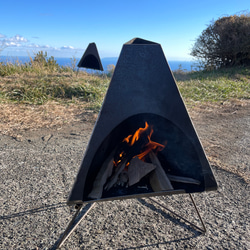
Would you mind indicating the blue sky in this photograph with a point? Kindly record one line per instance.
(65, 28)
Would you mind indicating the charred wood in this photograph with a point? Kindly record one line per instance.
(102, 176)
(159, 180)
(122, 179)
(137, 169)
(114, 177)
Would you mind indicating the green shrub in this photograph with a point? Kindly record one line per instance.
(225, 42)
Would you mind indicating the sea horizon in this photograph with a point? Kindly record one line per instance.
(68, 62)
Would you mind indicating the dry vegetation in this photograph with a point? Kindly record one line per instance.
(16, 118)
(42, 94)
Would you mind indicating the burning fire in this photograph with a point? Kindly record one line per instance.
(132, 160)
(150, 145)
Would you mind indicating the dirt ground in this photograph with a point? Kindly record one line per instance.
(39, 159)
(224, 131)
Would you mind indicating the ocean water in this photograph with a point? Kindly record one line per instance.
(174, 65)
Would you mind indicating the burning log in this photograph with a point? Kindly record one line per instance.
(137, 169)
(159, 180)
(102, 176)
(115, 176)
(123, 179)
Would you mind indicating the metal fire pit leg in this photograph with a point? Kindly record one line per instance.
(73, 224)
(203, 229)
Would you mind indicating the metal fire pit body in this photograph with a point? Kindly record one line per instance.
(90, 58)
(143, 89)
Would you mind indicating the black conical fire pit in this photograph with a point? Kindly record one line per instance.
(142, 90)
(143, 142)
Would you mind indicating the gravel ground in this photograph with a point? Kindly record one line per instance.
(38, 171)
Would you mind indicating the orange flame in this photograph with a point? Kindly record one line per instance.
(151, 145)
(131, 139)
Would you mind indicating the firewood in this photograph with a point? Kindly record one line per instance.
(183, 179)
(158, 179)
(102, 176)
(122, 179)
(114, 177)
(137, 169)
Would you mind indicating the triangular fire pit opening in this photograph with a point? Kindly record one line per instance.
(140, 156)
(142, 99)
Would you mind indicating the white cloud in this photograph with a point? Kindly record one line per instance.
(67, 47)
(20, 39)
(16, 39)
(41, 47)
(19, 43)
(11, 44)
(32, 45)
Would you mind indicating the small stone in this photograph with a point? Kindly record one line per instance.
(19, 138)
(47, 137)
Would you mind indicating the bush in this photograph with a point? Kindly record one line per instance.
(42, 60)
(225, 42)
(40, 64)
(111, 69)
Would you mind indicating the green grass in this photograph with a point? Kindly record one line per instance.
(61, 88)
(215, 86)
(39, 82)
